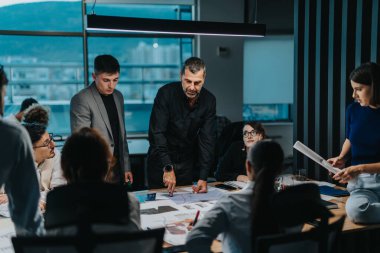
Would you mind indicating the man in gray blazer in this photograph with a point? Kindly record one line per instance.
(101, 106)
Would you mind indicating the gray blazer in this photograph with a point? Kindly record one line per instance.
(87, 110)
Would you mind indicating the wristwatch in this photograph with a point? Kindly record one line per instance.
(168, 168)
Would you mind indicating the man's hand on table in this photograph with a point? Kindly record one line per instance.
(169, 180)
(201, 187)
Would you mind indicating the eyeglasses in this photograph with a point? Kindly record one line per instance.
(252, 133)
(46, 142)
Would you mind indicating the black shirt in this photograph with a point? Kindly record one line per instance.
(177, 132)
(113, 117)
(232, 164)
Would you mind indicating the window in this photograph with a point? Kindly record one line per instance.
(268, 78)
(42, 51)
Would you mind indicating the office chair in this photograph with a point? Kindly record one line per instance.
(322, 239)
(89, 203)
(149, 241)
(299, 204)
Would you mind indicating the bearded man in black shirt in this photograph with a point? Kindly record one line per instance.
(182, 131)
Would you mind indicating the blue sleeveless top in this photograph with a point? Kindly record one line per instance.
(363, 131)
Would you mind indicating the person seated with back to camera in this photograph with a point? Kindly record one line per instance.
(232, 214)
(88, 198)
(46, 157)
(231, 166)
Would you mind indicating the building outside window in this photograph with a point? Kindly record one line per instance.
(42, 49)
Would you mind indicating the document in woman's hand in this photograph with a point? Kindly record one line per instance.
(315, 157)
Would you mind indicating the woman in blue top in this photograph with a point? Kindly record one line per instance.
(363, 140)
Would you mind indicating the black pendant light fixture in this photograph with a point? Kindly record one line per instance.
(164, 26)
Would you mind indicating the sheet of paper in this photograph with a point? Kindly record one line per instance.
(189, 197)
(327, 198)
(176, 226)
(315, 157)
(6, 233)
(236, 184)
(4, 211)
(203, 206)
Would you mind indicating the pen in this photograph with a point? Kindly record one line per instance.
(196, 218)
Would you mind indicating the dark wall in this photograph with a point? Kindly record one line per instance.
(277, 15)
(332, 37)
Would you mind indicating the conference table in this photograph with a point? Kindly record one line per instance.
(7, 230)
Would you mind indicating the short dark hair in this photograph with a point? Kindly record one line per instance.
(3, 77)
(194, 64)
(3, 82)
(35, 121)
(106, 64)
(26, 103)
(86, 157)
(368, 74)
(257, 126)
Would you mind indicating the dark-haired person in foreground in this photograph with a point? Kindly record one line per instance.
(101, 106)
(18, 173)
(232, 214)
(182, 131)
(89, 198)
(24, 105)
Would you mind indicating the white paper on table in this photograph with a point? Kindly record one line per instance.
(4, 210)
(175, 222)
(189, 197)
(176, 226)
(203, 206)
(5, 239)
(289, 180)
(315, 157)
(327, 198)
(236, 184)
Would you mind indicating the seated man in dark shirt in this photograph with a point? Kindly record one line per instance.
(182, 131)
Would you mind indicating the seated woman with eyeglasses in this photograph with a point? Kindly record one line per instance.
(231, 166)
(88, 203)
(46, 157)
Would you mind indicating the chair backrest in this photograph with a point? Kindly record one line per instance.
(86, 203)
(322, 239)
(230, 133)
(149, 241)
(299, 204)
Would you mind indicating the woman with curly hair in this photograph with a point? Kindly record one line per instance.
(46, 157)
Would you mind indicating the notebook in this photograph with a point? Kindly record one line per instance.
(331, 191)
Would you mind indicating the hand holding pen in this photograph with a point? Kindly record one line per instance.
(196, 218)
(192, 224)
